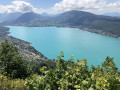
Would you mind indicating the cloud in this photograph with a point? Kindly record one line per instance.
(94, 6)
(19, 6)
(85, 5)
(112, 7)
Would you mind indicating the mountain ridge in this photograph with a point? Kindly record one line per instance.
(78, 19)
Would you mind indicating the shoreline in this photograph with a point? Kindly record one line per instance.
(96, 31)
(100, 32)
(25, 49)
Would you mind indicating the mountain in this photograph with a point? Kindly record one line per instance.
(45, 14)
(74, 18)
(114, 14)
(3, 16)
(84, 20)
(81, 18)
(9, 16)
(27, 17)
(98, 23)
(49, 15)
(13, 16)
(31, 19)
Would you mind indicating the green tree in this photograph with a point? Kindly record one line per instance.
(11, 62)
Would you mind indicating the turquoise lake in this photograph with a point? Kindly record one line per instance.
(81, 44)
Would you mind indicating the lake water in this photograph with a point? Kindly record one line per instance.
(51, 40)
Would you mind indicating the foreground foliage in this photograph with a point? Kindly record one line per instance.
(72, 76)
(35, 65)
(11, 84)
(63, 75)
(11, 63)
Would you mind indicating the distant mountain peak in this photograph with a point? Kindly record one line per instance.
(76, 11)
(27, 17)
(10, 16)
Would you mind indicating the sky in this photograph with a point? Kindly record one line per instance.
(59, 6)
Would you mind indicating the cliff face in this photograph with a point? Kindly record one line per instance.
(25, 49)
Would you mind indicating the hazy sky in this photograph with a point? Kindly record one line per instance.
(58, 6)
